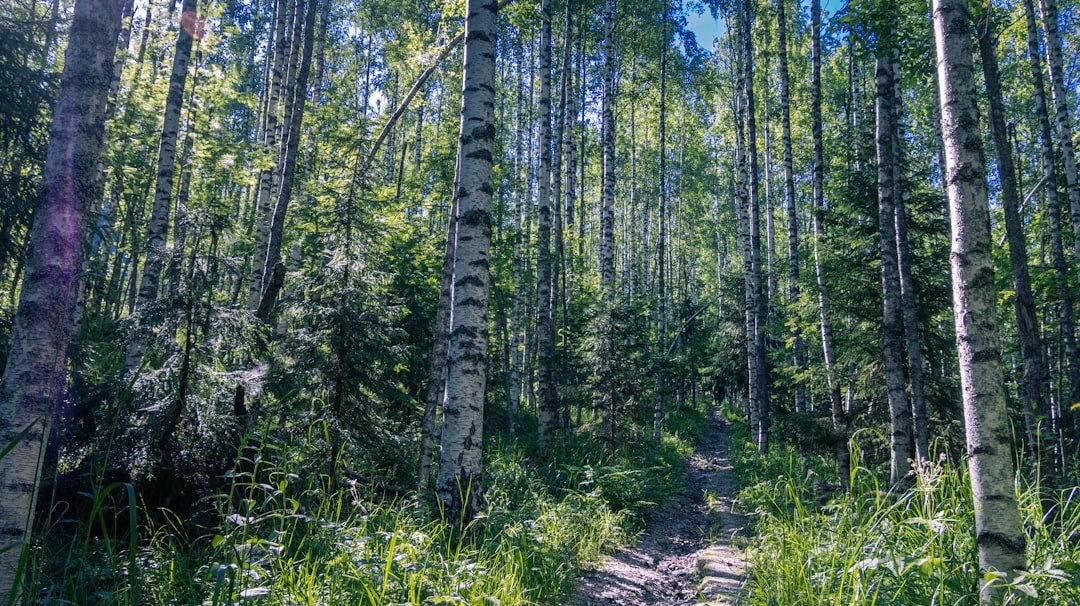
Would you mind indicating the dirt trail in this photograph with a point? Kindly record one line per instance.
(686, 554)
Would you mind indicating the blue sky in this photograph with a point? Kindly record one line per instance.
(706, 29)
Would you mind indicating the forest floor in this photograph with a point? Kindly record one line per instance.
(688, 552)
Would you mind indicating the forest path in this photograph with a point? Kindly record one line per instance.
(692, 535)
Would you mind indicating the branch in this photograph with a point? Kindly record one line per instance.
(404, 105)
(1027, 198)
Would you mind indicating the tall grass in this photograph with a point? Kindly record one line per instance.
(868, 547)
(277, 537)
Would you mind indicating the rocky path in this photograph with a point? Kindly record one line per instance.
(686, 555)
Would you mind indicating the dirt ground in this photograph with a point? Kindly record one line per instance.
(686, 554)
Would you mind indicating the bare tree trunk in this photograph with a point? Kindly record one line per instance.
(299, 93)
(35, 375)
(839, 423)
(908, 304)
(1059, 95)
(891, 323)
(1027, 322)
(756, 364)
(798, 357)
(268, 175)
(437, 363)
(607, 209)
(569, 111)
(166, 161)
(461, 458)
(661, 235)
(998, 530)
(545, 326)
(1053, 207)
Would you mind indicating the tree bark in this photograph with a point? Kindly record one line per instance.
(789, 202)
(35, 375)
(908, 304)
(1027, 322)
(437, 363)
(607, 210)
(461, 457)
(296, 119)
(999, 533)
(661, 236)
(267, 181)
(1060, 98)
(839, 423)
(166, 162)
(545, 326)
(1059, 95)
(891, 323)
(757, 370)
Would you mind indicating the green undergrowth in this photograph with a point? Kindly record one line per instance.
(815, 544)
(281, 538)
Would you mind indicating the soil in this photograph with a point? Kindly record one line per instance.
(688, 552)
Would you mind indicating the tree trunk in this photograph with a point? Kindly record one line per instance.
(607, 210)
(268, 175)
(1059, 95)
(1027, 322)
(461, 458)
(35, 375)
(545, 326)
(437, 363)
(839, 424)
(166, 161)
(789, 202)
(296, 120)
(999, 533)
(908, 304)
(891, 323)
(756, 364)
(661, 237)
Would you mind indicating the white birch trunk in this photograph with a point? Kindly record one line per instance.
(166, 163)
(35, 377)
(999, 532)
(461, 458)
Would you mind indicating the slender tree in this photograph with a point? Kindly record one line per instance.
(818, 217)
(891, 324)
(1055, 65)
(999, 533)
(757, 371)
(545, 322)
(607, 208)
(166, 164)
(789, 198)
(661, 233)
(1027, 322)
(461, 456)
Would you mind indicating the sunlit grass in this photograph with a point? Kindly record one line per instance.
(280, 538)
(868, 547)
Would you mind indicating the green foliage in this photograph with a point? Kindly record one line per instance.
(281, 534)
(815, 545)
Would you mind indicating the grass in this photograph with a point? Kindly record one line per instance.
(867, 547)
(279, 538)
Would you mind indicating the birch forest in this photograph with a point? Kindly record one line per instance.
(539, 302)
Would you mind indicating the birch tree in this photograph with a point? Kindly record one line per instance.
(461, 456)
(998, 531)
(35, 376)
(166, 164)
